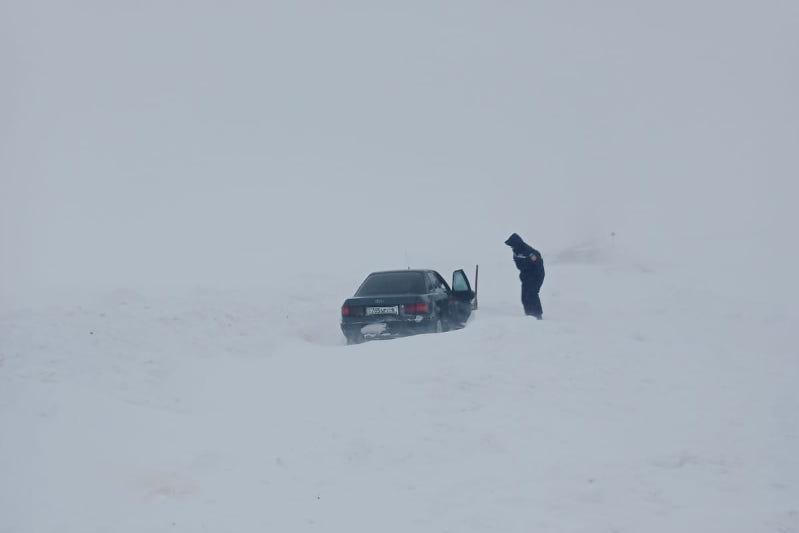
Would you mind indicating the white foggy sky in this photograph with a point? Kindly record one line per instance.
(164, 142)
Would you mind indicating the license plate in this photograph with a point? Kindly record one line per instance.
(382, 310)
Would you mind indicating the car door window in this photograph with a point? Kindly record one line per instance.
(440, 283)
(459, 282)
(433, 282)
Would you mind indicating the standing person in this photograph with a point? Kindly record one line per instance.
(531, 271)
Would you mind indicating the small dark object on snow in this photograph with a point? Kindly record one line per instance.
(531, 272)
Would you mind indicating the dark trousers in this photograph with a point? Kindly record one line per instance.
(530, 299)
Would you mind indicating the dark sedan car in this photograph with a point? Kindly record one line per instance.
(405, 302)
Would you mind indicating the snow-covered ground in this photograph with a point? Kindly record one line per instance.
(189, 191)
(644, 402)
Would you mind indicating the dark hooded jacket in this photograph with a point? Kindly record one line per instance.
(528, 260)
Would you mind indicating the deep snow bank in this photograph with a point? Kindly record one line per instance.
(640, 404)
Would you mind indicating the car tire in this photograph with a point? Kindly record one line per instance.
(354, 339)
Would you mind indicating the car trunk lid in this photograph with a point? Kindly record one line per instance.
(378, 306)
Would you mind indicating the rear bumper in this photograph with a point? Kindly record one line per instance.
(385, 327)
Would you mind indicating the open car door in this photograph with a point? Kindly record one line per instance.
(462, 296)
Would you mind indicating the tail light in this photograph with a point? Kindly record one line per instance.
(417, 309)
(354, 310)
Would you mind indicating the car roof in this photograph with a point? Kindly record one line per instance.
(417, 270)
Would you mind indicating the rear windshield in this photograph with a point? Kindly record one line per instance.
(392, 283)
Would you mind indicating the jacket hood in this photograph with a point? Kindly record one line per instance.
(514, 241)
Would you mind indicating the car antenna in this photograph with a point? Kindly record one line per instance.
(476, 281)
(406, 260)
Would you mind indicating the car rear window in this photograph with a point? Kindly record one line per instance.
(392, 283)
